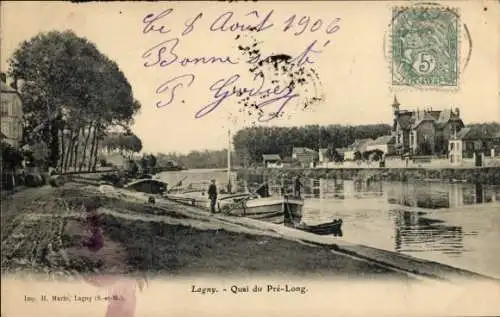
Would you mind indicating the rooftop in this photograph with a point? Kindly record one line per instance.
(6, 88)
(475, 133)
(382, 140)
(408, 119)
(303, 150)
(271, 157)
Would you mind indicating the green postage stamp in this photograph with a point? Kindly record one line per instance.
(425, 47)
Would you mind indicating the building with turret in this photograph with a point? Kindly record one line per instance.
(424, 131)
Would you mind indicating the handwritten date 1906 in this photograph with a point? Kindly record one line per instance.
(306, 23)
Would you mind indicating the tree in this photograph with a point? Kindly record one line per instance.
(10, 160)
(127, 143)
(251, 143)
(130, 143)
(71, 93)
(11, 157)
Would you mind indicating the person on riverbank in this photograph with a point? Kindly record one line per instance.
(212, 194)
(298, 186)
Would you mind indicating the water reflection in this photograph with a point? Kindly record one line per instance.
(417, 233)
(438, 195)
(374, 215)
(422, 195)
(432, 225)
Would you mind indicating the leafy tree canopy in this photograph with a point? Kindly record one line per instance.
(68, 86)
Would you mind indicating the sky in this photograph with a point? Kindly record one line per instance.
(353, 62)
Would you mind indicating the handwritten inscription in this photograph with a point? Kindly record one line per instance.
(276, 78)
(223, 23)
(305, 23)
(164, 54)
(165, 89)
(225, 88)
(153, 22)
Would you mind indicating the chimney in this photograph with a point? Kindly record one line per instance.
(457, 112)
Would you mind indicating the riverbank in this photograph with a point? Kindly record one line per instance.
(44, 232)
(483, 175)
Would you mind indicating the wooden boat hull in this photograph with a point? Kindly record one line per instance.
(269, 209)
(334, 228)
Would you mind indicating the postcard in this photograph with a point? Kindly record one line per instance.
(236, 158)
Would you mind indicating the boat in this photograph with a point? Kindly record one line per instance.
(149, 186)
(257, 205)
(271, 209)
(334, 228)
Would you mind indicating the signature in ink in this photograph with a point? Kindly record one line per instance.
(164, 54)
(178, 81)
(226, 88)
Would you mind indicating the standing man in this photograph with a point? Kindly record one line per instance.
(212, 194)
(298, 186)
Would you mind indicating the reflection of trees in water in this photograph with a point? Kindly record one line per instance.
(433, 195)
(338, 190)
(420, 194)
(401, 194)
(413, 232)
(359, 189)
(367, 188)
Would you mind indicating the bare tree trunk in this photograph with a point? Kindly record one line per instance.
(96, 155)
(75, 155)
(87, 137)
(68, 152)
(94, 139)
(63, 150)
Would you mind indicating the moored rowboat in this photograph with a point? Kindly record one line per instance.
(334, 227)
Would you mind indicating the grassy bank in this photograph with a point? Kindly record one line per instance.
(180, 250)
(47, 216)
(484, 175)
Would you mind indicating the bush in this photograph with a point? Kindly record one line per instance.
(103, 162)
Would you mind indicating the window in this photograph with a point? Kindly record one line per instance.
(5, 108)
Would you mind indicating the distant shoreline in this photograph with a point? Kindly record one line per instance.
(483, 175)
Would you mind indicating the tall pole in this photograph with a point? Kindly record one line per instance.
(229, 161)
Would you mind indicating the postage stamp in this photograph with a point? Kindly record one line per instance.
(425, 47)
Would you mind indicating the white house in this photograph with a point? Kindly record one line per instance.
(305, 156)
(272, 160)
(359, 146)
(384, 144)
(323, 156)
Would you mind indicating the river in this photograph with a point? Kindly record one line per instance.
(452, 223)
